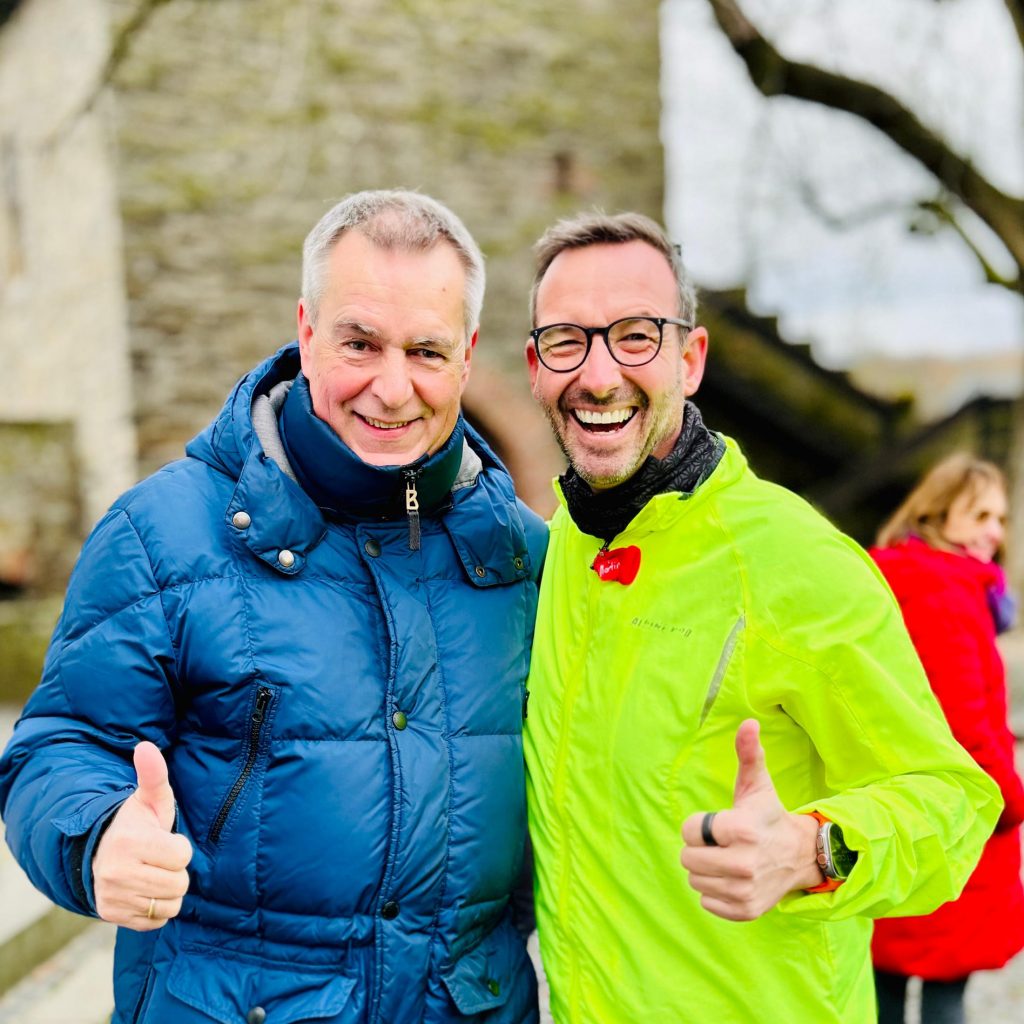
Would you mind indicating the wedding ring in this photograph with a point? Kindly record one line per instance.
(151, 913)
(705, 829)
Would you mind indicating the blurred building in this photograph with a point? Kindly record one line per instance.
(853, 443)
(162, 160)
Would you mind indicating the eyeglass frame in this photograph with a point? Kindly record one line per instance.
(589, 333)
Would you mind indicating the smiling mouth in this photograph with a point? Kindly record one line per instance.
(605, 421)
(383, 425)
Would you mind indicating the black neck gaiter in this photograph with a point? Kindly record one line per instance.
(605, 514)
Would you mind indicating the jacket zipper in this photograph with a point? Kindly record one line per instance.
(259, 715)
(412, 508)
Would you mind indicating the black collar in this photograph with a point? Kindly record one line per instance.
(605, 514)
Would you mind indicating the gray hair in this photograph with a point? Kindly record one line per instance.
(597, 228)
(393, 219)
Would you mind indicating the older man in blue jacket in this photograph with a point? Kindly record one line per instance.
(278, 735)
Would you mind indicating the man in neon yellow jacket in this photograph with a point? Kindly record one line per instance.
(710, 653)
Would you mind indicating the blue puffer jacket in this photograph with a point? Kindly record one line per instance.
(342, 727)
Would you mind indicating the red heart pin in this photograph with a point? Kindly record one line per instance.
(619, 565)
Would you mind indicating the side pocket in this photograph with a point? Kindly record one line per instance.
(144, 997)
(254, 742)
(495, 979)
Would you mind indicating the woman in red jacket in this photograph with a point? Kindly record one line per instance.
(937, 553)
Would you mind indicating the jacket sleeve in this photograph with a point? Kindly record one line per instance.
(884, 765)
(106, 685)
(950, 642)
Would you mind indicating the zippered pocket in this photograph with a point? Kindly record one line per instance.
(144, 996)
(253, 741)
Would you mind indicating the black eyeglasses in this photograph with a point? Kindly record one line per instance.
(632, 341)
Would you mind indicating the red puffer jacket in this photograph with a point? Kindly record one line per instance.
(943, 597)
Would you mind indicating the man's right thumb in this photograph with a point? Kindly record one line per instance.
(153, 788)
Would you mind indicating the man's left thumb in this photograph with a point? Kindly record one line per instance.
(752, 775)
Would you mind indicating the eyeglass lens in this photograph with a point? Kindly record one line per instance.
(631, 342)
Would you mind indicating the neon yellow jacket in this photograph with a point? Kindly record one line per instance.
(747, 604)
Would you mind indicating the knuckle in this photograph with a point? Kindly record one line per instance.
(745, 873)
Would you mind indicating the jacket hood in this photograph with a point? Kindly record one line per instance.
(226, 442)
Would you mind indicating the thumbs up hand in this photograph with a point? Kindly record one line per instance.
(139, 868)
(758, 851)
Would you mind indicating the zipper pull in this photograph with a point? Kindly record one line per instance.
(263, 696)
(412, 509)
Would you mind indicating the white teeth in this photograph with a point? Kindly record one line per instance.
(608, 416)
(381, 425)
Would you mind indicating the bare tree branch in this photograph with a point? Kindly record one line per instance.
(1016, 9)
(940, 208)
(7, 8)
(774, 75)
(811, 199)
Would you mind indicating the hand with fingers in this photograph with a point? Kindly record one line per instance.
(743, 860)
(139, 868)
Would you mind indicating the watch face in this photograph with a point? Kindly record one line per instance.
(843, 858)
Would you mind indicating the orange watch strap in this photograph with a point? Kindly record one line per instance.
(830, 884)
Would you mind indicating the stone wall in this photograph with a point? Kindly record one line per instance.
(241, 121)
(63, 331)
(161, 162)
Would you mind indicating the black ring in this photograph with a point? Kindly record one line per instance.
(705, 829)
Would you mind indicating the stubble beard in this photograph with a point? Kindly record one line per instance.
(666, 423)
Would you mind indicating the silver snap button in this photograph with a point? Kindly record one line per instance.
(480, 571)
(286, 558)
(241, 520)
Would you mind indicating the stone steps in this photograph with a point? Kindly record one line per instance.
(55, 967)
(32, 929)
(74, 986)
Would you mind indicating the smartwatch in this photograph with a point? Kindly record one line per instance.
(834, 857)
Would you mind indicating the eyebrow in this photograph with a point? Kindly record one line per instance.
(446, 344)
(341, 326)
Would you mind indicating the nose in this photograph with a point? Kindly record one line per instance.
(392, 383)
(600, 374)
(997, 532)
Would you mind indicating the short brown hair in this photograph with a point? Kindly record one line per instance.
(597, 228)
(924, 510)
